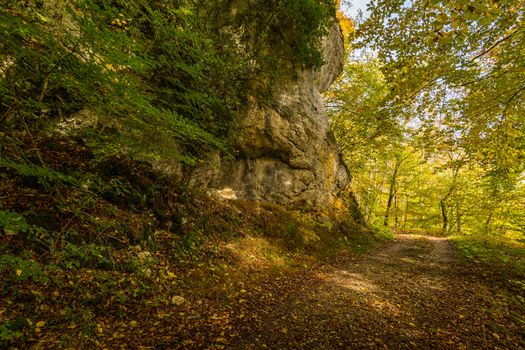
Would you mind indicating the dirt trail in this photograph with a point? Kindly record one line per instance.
(412, 294)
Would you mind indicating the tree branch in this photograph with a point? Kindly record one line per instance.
(492, 47)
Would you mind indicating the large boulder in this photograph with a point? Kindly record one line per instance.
(287, 153)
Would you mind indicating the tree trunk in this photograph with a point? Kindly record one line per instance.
(368, 203)
(443, 202)
(405, 217)
(392, 190)
(396, 218)
(444, 214)
(458, 214)
(486, 229)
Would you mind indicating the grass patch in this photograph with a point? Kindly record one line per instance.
(508, 253)
(502, 260)
(382, 232)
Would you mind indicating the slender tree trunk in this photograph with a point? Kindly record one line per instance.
(405, 217)
(487, 226)
(443, 202)
(389, 204)
(458, 214)
(396, 214)
(370, 202)
(444, 214)
(392, 190)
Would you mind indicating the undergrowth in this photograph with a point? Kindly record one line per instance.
(501, 258)
(504, 254)
(89, 241)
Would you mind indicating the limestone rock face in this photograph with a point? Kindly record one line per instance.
(286, 151)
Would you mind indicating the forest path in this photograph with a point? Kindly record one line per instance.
(411, 294)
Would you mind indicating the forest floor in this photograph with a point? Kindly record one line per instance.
(413, 293)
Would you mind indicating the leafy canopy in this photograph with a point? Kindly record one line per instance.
(462, 64)
(445, 90)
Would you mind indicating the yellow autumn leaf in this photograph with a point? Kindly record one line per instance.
(40, 324)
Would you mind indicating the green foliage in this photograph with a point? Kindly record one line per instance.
(189, 246)
(292, 28)
(12, 223)
(291, 231)
(494, 252)
(17, 269)
(435, 192)
(445, 89)
(458, 66)
(278, 38)
(382, 232)
(360, 118)
(9, 332)
(131, 64)
(42, 176)
(92, 255)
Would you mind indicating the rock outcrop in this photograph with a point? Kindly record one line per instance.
(286, 151)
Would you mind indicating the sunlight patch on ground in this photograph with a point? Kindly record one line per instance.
(256, 252)
(433, 284)
(409, 260)
(369, 292)
(437, 239)
(352, 281)
(386, 307)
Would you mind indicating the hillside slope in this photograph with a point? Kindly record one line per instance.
(121, 122)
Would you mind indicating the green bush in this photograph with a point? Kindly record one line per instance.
(12, 223)
(17, 269)
(287, 33)
(9, 333)
(382, 232)
(148, 69)
(39, 175)
(74, 256)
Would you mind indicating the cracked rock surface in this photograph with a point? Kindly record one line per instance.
(287, 153)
